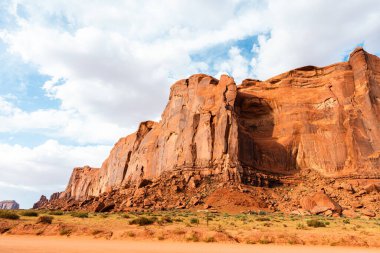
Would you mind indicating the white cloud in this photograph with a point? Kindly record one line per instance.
(45, 168)
(315, 33)
(119, 63)
(59, 124)
(236, 65)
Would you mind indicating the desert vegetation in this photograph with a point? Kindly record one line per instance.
(181, 225)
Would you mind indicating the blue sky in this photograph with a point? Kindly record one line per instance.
(74, 79)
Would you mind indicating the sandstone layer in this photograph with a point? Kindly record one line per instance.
(255, 139)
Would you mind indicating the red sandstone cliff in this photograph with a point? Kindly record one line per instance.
(308, 120)
(325, 119)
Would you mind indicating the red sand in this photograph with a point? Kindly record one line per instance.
(33, 244)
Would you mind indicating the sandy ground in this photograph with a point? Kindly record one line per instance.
(33, 244)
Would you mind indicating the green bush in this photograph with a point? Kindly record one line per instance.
(57, 212)
(194, 221)
(80, 215)
(315, 223)
(45, 219)
(262, 213)
(9, 215)
(142, 221)
(346, 221)
(29, 213)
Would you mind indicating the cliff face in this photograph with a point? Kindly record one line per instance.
(262, 133)
(9, 205)
(198, 131)
(325, 119)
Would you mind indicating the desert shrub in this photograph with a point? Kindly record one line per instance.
(29, 213)
(57, 212)
(45, 219)
(267, 224)
(262, 219)
(65, 231)
(142, 221)
(80, 215)
(179, 231)
(131, 234)
(166, 219)
(300, 226)
(9, 215)
(210, 239)
(315, 223)
(262, 213)
(194, 221)
(125, 216)
(242, 217)
(194, 237)
(265, 241)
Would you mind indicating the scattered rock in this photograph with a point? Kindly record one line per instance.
(368, 213)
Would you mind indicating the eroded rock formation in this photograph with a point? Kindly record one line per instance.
(9, 205)
(308, 122)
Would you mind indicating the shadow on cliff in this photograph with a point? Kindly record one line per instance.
(258, 149)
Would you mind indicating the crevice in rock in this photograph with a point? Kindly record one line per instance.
(212, 128)
(196, 119)
(126, 164)
(142, 172)
(227, 134)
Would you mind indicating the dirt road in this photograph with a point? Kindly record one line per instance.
(34, 244)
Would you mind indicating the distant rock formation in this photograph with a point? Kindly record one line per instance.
(9, 205)
(40, 203)
(310, 122)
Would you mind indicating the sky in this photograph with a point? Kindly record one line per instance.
(75, 76)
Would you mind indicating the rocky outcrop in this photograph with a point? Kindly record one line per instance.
(198, 132)
(325, 119)
(41, 203)
(282, 131)
(9, 205)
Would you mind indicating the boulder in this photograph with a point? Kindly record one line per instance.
(319, 203)
(373, 187)
(368, 213)
(349, 213)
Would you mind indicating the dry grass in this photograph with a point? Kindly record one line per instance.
(259, 228)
